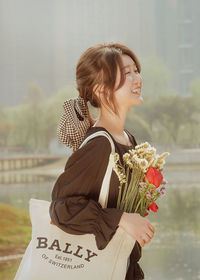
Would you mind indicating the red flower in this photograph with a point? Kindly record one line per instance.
(146, 213)
(154, 176)
(153, 207)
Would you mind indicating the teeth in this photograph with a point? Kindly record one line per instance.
(136, 90)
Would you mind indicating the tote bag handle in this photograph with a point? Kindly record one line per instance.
(104, 192)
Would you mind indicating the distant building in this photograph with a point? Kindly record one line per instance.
(173, 27)
(41, 41)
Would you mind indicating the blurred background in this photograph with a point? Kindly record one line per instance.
(40, 44)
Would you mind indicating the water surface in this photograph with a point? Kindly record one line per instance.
(174, 252)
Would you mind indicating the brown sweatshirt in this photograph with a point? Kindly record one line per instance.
(75, 207)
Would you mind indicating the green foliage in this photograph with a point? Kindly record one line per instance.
(32, 125)
(8, 270)
(167, 119)
(15, 234)
(139, 127)
(174, 112)
(5, 127)
(15, 228)
(195, 91)
(164, 118)
(156, 77)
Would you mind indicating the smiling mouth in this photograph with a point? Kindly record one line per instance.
(136, 91)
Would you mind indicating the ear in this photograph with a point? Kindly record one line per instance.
(98, 89)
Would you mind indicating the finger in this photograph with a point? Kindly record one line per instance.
(152, 228)
(141, 242)
(150, 233)
(146, 238)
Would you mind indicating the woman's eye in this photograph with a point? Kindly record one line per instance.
(130, 72)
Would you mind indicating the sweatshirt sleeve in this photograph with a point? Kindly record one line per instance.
(75, 207)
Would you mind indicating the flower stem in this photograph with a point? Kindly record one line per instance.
(136, 187)
(125, 189)
(119, 195)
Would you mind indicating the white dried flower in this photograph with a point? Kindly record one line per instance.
(144, 145)
(120, 174)
(126, 156)
(164, 155)
(132, 152)
(116, 157)
(144, 165)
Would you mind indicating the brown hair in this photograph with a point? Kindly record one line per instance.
(98, 65)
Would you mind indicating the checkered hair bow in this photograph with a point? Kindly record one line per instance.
(74, 123)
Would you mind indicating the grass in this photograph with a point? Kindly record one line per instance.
(15, 229)
(15, 234)
(8, 270)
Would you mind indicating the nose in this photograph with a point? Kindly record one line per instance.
(137, 80)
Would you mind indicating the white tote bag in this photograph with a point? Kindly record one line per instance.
(54, 254)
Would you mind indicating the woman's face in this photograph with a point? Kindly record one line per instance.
(125, 96)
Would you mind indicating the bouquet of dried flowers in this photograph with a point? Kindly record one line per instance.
(140, 179)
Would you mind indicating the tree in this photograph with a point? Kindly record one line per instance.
(175, 112)
(34, 112)
(195, 91)
(156, 78)
(138, 127)
(5, 127)
(54, 110)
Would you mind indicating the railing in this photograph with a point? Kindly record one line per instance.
(16, 163)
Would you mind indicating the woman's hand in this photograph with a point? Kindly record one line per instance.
(138, 227)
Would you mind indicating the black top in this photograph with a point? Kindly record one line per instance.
(75, 207)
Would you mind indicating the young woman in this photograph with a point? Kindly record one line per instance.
(108, 76)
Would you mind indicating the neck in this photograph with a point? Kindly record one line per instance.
(112, 122)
